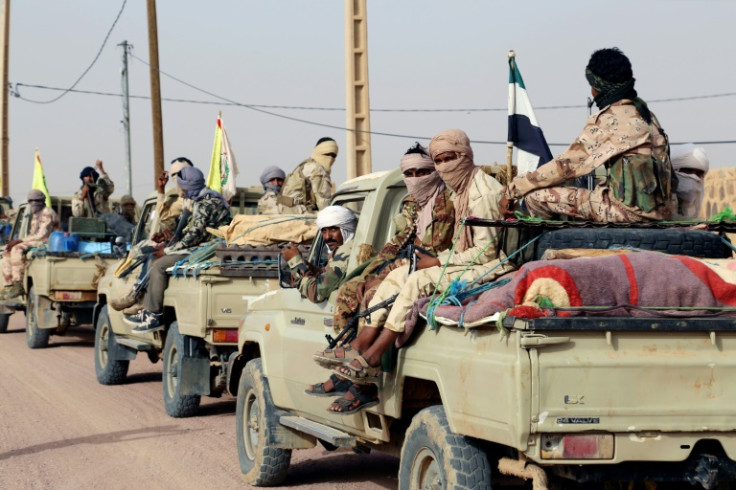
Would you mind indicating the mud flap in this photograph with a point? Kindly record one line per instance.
(48, 316)
(195, 368)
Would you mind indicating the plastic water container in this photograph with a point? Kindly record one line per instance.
(60, 241)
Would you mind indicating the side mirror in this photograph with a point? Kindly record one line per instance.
(285, 280)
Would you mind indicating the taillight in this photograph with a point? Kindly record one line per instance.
(577, 446)
(225, 335)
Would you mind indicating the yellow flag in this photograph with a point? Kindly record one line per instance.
(214, 181)
(39, 179)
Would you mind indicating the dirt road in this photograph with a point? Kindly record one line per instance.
(60, 429)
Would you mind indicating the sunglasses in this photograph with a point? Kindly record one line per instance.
(35, 200)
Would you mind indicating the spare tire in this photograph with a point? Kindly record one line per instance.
(693, 243)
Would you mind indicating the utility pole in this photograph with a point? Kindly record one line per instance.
(4, 58)
(126, 118)
(158, 134)
(358, 117)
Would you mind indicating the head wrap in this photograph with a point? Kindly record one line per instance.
(271, 173)
(89, 171)
(690, 187)
(338, 216)
(457, 174)
(36, 195)
(127, 199)
(610, 91)
(176, 167)
(191, 181)
(319, 154)
(423, 189)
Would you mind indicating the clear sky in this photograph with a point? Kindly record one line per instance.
(423, 54)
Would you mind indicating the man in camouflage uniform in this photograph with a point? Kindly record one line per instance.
(626, 138)
(43, 221)
(309, 187)
(92, 198)
(209, 210)
(272, 179)
(474, 254)
(168, 209)
(337, 226)
(427, 220)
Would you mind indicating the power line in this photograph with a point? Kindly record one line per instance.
(84, 73)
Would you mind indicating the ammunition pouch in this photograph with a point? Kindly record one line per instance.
(643, 181)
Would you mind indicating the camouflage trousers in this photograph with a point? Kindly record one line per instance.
(354, 295)
(422, 284)
(14, 262)
(595, 205)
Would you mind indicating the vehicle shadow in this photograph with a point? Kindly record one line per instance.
(345, 466)
(220, 407)
(104, 438)
(142, 378)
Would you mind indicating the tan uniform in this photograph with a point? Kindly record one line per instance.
(614, 131)
(484, 195)
(104, 187)
(268, 203)
(168, 210)
(42, 224)
(306, 190)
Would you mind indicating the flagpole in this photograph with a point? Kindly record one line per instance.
(510, 144)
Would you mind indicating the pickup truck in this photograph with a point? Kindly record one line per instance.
(60, 285)
(202, 309)
(564, 402)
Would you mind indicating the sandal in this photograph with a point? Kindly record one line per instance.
(359, 402)
(329, 359)
(364, 375)
(340, 387)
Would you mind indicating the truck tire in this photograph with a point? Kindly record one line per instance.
(108, 371)
(176, 404)
(37, 338)
(433, 457)
(4, 321)
(693, 243)
(255, 419)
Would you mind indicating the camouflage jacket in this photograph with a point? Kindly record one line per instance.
(268, 203)
(615, 130)
(103, 188)
(437, 237)
(307, 189)
(42, 224)
(317, 286)
(208, 212)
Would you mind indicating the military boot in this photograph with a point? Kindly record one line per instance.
(16, 291)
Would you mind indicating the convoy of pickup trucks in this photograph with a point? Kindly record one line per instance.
(554, 401)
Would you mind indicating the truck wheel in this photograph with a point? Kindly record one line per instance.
(109, 371)
(36, 338)
(432, 457)
(177, 405)
(693, 243)
(4, 320)
(255, 420)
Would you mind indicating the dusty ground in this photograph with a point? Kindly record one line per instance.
(60, 429)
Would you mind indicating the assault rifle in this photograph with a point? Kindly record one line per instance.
(351, 330)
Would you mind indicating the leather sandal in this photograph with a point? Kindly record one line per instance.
(364, 375)
(341, 386)
(329, 359)
(359, 402)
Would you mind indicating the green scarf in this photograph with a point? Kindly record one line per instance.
(610, 92)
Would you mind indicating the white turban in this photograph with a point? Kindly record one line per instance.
(689, 156)
(338, 216)
(690, 187)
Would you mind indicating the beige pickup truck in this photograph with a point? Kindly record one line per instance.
(203, 305)
(567, 403)
(60, 286)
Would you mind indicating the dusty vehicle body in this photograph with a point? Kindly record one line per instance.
(558, 400)
(202, 310)
(61, 286)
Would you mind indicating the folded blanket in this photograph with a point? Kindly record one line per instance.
(623, 282)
